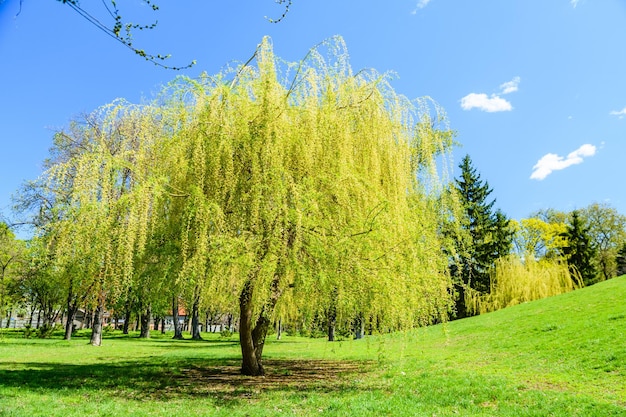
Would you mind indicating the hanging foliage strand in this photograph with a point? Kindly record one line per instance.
(284, 191)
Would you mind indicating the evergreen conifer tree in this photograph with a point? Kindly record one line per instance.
(484, 235)
(579, 252)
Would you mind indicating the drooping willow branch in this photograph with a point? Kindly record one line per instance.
(122, 32)
(287, 6)
(115, 31)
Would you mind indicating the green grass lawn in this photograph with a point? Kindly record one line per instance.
(562, 356)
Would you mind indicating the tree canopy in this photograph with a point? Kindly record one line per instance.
(12, 251)
(260, 189)
(607, 231)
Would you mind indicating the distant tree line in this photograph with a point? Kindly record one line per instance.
(493, 255)
(481, 244)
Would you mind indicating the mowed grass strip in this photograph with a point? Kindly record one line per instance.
(561, 356)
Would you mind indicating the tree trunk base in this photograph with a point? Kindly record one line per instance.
(252, 370)
(96, 330)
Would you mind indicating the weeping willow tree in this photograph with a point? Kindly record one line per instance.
(103, 179)
(303, 186)
(289, 190)
(515, 280)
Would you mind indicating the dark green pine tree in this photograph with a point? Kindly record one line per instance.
(579, 251)
(485, 235)
(502, 235)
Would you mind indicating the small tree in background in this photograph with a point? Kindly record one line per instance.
(11, 254)
(515, 280)
(607, 231)
(539, 239)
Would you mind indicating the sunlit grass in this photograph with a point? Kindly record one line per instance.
(560, 356)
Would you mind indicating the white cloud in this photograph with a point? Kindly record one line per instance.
(619, 113)
(553, 162)
(492, 103)
(482, 102)
(420, 5)
(510, 86)
(574, 3)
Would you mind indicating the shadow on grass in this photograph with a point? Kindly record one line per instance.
(174, 343)
(162, 380)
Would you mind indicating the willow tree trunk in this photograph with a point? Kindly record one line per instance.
(146, 315)
(126, 321)
(127, 312)
(359, 327)
(251, 364)
(72, 307)
(259, 333)
(331, 328)
(252, 339)
(178, 331)
(89, 321)
(195, 317)
(71, 315)
(32, 311)
(96, 328)
(332, 315)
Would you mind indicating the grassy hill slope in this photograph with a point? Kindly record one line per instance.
(569, 349)
(562, 356)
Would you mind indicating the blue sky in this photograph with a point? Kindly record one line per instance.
(534, 88)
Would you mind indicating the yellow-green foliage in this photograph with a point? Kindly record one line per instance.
(539, 238)
(12, 255)
(516, 281)
(104, 187)
(319, 189)
(305, 183)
